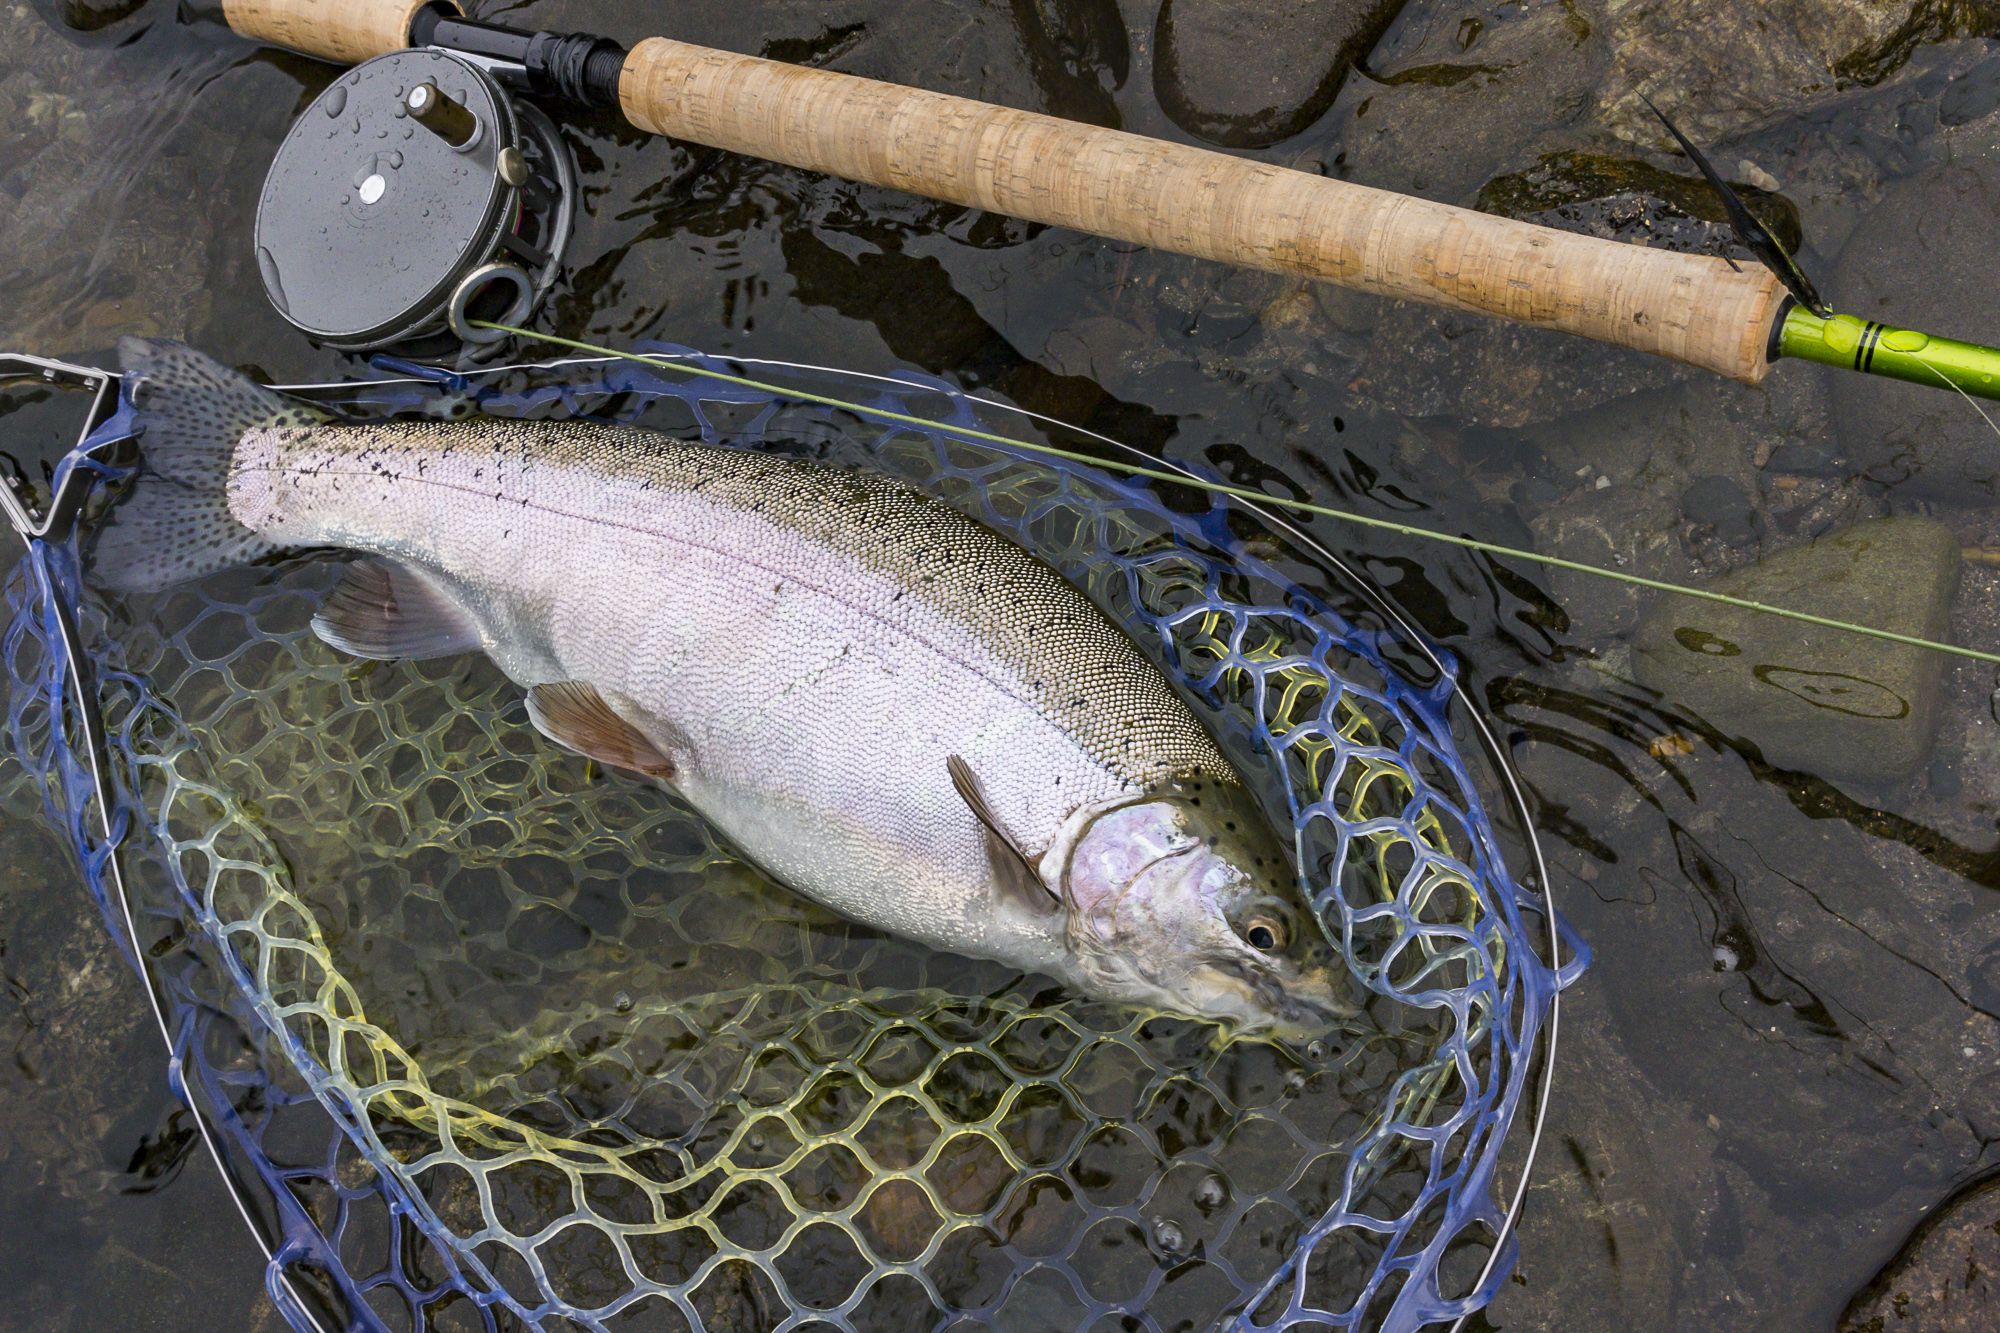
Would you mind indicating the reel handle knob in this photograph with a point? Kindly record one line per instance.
(437, 112)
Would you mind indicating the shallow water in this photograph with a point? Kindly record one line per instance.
(1784, 1054)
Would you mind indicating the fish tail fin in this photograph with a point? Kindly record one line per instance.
(175, 523)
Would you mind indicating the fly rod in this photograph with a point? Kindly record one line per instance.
(1698, 309)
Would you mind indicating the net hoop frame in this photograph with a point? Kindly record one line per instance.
(57, 591)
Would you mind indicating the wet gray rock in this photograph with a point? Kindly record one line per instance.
(1971, 97)
(1947, 1279)
(1720, 503)
(1067, 60)
(1451, 104)
(1623, 198)
(1627, 527)
(1610, 1211)
(1631, 467)
(1813, 458)
(1109, 351)
(1726, 70)
(1426, 362)
(70, 1013)
(1822, 701)
(87, 1125)
(1248, 73)
(1925, 258)
(1834, 158)
(89, 15)
(97, 250)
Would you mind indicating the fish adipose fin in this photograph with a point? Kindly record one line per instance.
(175, 524)
(573, 714)
(1012, 871)
(384, 610)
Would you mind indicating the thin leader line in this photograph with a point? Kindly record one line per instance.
(1261, 497)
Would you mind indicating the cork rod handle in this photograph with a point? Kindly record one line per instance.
(1193, 201)
(344, 31)
(1127, 187)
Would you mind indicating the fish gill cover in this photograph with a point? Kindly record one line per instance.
(489, 1037)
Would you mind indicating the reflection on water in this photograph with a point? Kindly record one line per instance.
(1785, 1053)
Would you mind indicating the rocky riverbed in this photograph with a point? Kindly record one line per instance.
(1782, 1063)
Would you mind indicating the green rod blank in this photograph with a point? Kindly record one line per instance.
(1874, 348)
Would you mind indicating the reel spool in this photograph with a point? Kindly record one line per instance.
(413, 195)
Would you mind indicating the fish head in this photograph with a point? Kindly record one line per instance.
(1184, 898)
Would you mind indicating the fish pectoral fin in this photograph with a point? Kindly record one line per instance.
(573, 714)
(1013, 872)
(384, 610)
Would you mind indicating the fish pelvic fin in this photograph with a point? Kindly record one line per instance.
(573, 714)
(175, 524)
(1013, 873)
(385, 610)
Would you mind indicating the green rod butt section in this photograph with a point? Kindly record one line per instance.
(1899, 354)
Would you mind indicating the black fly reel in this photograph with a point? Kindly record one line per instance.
(413, 196)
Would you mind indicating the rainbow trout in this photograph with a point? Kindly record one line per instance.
(891, 708)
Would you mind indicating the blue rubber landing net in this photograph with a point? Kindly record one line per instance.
(486, 1038)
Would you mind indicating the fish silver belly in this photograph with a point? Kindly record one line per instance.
(811, 644)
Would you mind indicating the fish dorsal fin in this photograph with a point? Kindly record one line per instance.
(572, 713)
(1012, 870)
(384, 610)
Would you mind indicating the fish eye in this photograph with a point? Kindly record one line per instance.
(1264, 933)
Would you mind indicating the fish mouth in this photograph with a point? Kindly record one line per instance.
(1287, 1008)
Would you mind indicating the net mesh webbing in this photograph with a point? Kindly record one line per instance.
(501, 1039)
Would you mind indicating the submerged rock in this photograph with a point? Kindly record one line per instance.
(1824, 701)
(1719, 503)
(90, 15)
(1623, 199)
(1622, 528)
(1451, 104)
(1726, 70)
(1079, 54)
(1654, 482)
(1925, 258)
(1427, 362)
(1947, 1278)
(1247, 73)
(1971, 97)
(1626, 525)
